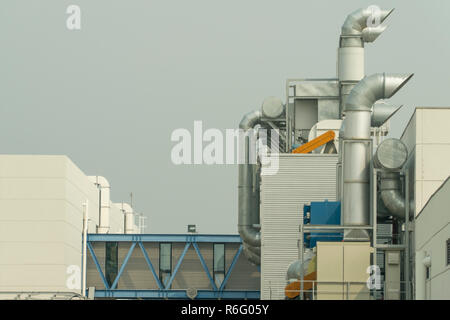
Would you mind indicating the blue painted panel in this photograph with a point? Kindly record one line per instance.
(322, 213)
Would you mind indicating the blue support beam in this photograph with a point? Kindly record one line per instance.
(97, 265)
(114, 285)
(180, 260)
(205, 267)
(176, 294)
(150, 265)
(164, 238)
(233, 263)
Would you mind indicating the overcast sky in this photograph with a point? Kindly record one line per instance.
(110, 95)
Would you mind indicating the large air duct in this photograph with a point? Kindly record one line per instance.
(356, 157)
(391, 156)
(248, 194)
(104, 202)
(128, 218)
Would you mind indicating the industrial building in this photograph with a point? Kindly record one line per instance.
(62, 236)
(347, 213)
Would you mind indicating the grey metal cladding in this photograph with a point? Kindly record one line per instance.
(317, 89)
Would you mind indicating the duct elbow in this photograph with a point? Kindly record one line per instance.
(250, 120)
(356, 23)
(250, 235)
(373, 88)
(391, 195)
(394, 202)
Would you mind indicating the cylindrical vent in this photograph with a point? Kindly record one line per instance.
(391, 155)
(272, 107)
(350, 64)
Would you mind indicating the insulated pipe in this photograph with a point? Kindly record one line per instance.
(357, 153)
(104, 202)
(248, 194)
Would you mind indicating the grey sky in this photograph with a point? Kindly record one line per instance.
(110, 95)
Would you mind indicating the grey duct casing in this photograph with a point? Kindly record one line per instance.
(356, 157)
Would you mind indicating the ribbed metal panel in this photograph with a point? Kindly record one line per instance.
(301, 178)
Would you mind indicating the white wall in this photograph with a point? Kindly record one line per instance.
(428, 141)
(41, 213)
(432, 233)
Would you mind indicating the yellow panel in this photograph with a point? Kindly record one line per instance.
(356, 262)
(330, 268)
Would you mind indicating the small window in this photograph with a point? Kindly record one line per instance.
(219, 263)
(448, 252)
(111, 261)
(165, 262)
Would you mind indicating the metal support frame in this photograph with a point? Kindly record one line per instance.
(164, 291)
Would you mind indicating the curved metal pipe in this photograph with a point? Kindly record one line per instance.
(373, 88)
(355, 31)
(248, 194)
(391, 195)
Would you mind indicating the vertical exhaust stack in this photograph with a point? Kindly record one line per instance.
(356, 159)
(354, 33)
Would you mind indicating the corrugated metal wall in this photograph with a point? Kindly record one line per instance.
(301, 178)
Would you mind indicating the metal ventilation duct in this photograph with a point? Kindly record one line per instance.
(104, 201)
(356, 158)
(391, 156)
(355, 30)
(354, 33)
(248, 194)
(382, 112)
